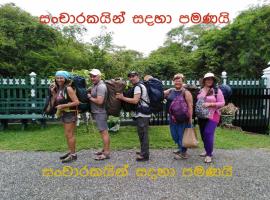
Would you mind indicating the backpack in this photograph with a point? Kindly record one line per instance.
(113, 105)
(78, 83)
(179, 109)
(155, 91)
(49, 108)
(202, 112)
(226, 91)
(128, 107)
(194, 90)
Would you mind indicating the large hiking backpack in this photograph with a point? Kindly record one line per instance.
(113, 105)
(179, 109)
(155, 92)
(194, 90)
(226, 91)
(79, 84)
(49, 108)
(154, 89)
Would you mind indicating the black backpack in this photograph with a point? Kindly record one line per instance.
(128, 107)
(78, 83)
(226, 91)
(194, 90)
(49, 108)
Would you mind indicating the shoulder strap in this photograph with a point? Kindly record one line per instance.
(216, 91)
(139, 84)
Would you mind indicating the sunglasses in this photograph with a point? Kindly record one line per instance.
(93, 76)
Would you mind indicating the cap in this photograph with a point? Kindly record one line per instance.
(95, 72)
(133, 73)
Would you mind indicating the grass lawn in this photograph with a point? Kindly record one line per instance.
(52, 138)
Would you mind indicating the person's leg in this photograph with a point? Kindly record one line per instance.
(70, 136)
(202, 123)
(106, 141)
(209, 133)
(145, 138)
(181, 129)
(142, 128)
(139, 131)
(102, 125)
(174, 132)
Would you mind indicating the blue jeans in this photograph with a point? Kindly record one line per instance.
(177, 132)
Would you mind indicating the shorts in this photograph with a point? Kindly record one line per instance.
(101, 121)
(69, 117)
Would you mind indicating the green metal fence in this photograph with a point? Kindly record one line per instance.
(24, 98)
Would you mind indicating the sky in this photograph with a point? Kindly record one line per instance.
(140, 37)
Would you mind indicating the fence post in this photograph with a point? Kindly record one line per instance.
(33, 88)
(224, 78)
(266, 74)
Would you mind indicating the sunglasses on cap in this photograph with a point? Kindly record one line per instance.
(132, 74)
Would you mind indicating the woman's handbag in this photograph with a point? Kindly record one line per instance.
(190, 139)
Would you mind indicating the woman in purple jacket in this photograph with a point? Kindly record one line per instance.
(213, 100)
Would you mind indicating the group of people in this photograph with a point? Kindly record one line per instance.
(67, 102)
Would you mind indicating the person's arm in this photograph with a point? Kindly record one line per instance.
(134, 100)
(189, 100)
(99, 100)
(167, 92)
(53, 93)
(74, 99)
(101, 93)
(220, 100)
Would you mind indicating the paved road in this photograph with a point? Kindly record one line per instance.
(21, 176)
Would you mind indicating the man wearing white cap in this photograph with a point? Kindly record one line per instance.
(97, 98)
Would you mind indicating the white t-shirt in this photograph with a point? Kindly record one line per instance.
(145, 97)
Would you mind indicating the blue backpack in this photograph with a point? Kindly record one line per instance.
(156, 96)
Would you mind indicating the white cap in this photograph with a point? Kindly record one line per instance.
(209, 75)
(95, 72)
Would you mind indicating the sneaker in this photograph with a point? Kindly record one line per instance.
(181, 156)
(176, 152)
(64, 156)
(203, 154)
(70, 158)
(208, 159)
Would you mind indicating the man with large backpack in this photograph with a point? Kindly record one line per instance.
(140, 98)
(97, 98)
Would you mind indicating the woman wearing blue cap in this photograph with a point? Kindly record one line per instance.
(66, 103)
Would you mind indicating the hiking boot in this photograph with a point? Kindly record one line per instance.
(70, 158)
(64, 156)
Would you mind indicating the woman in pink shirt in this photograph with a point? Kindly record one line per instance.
(213, 100)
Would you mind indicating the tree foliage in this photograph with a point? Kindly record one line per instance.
(241, 48)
